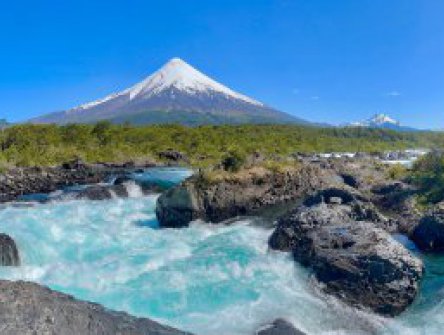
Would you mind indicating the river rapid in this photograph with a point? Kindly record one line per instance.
(207, 279)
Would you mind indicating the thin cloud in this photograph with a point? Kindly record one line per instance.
(393, 94)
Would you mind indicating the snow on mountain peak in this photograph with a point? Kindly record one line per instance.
(176, 74)
(382, 118)
(376, 120)
(180, 75)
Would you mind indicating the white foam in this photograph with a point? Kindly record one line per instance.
(206, 279)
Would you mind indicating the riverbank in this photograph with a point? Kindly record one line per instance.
(18, 182)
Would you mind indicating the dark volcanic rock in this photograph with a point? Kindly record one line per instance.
(397, 199)
(75, 164)
(240, 194)
(288, 231)
(9, 255)
(30, 309)
(123, 180)
(353, 260)
(98, 192)
(347, 196)
(279, 327)
(174, 156)
(362, 265)
(429, 234)
(20, 181)
(324, 207)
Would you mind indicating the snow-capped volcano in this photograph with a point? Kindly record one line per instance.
(381, 121)
(377, 120)
(176, 93)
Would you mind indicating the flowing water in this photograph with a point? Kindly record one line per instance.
(211, 280)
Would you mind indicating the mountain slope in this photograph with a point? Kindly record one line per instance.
(177, 93)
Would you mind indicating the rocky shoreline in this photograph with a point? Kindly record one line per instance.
(24, 181)
(242, 194)
(29, 309)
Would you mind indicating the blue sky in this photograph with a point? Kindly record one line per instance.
(327, 61)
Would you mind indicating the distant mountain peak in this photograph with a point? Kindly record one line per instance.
(377, 120)
(381, 120)
(177, 92)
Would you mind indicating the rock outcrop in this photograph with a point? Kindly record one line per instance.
(9, 254)
(242, 193)
(397, 199)
(279, 327)
(29, 309)
(330, 205)
(24, 181)
(351, 259)
(20, 181)
(98, 192)
(429, 233)
(173, 156)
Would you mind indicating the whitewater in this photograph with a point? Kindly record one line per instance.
(207, 279)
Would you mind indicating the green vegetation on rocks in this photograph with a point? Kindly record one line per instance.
(428, 176)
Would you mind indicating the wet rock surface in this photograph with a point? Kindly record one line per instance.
(173, 156)
(103, 192)
(29, 309)
(279, 327)
(429, 233)
(331, 205)
(35, 180)
(9, 254)
(243, 194)
(22, 181)
(352, 259)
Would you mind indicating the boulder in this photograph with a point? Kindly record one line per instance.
(429, 233)
(22, 181)
(9, 255)
(75, 164)
(98, 192)
(352, 260)
(397, 200)
(279, 327)
(28, 309)
(242, 193)
(347, 195)
(323, 207)
(173, 155)
(122, 180)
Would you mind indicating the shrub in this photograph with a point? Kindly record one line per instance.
(428, 176)
(397, 172)
(234, 161)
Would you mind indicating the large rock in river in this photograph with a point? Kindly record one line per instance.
(237, 194)
(9, 255)
(326, 206)
(29, 309)
(353, 260)
(429, 233)
(279, 327)
(100, 192)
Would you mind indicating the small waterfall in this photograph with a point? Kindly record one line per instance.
(9, 255)
(134, 190)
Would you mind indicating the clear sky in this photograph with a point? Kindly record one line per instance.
(323, 60)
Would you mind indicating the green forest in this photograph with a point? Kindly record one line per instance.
(48, 145)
